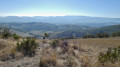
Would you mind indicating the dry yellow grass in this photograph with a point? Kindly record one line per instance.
(78, 53)
(95, 43)
(8, 49)
(91, 48)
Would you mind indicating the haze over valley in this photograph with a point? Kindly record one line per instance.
(81, 20)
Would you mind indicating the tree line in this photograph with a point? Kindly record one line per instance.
(102, 35)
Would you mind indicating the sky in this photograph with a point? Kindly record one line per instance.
(95, 8)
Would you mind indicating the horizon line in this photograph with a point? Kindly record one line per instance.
(57, 16)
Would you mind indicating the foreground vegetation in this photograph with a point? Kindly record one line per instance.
(30, 52)
(112, 55)
(27, 47)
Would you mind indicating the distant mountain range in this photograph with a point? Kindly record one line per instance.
(81, 20)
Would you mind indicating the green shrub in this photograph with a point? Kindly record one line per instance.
(16, 36)
(27, 47)
(54, 43)
(89, 36)
(115, 34)
(105, 35)
(98, 35)
(112, 55)
(46, 35)
(6, 33)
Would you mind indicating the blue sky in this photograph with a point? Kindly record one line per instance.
(98, 8)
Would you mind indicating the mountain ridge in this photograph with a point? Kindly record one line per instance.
(83, 20)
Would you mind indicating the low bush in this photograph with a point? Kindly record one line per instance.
(16, 36)
(65, 47)
(64, 44)
(54, 43)
(112, 55)
(6, 33)
(115, 34)
(75, 47)
(27, 47)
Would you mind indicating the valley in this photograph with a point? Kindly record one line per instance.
(57, 31)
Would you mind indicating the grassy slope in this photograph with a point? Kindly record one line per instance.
(86, 56)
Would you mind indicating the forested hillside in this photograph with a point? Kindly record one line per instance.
(78, 33)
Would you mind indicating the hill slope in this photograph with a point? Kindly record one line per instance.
(58, 31)
(35, 28)
(78, 33)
